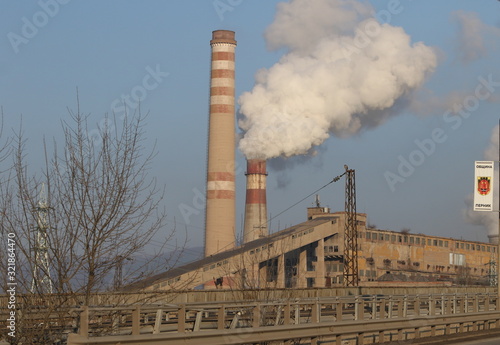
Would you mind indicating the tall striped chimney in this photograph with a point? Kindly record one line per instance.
(255, 205)
(220, 215)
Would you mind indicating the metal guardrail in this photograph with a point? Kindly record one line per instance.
(382, 318)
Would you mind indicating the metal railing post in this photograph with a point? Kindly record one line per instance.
(221, 317)
(416, 306)
(338, 310)
(84, 321)
(181, 319)
(136, 320)
(256, 316)
(286, 315)
(432, 306)
(315, 310)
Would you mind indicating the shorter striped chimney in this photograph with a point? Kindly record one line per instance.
(256, 206)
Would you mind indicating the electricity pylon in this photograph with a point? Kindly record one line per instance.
(351, 277)
(41, 283)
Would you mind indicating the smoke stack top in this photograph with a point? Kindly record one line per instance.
(344, 72)
(255, 225)
(223, 36)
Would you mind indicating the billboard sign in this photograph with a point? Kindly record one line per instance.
(483, 186)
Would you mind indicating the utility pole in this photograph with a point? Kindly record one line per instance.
(41, 282)
(351, 277)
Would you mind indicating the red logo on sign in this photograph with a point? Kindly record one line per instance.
(483, 185)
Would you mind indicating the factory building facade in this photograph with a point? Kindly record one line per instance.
(310, 254)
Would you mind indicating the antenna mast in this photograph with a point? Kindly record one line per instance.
(41, 270)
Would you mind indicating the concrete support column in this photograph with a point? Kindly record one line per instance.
(302, 268)
(320, 264)
(262, 276)
(280, 283)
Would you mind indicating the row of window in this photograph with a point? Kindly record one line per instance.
(477, 247)
(331, 249)
(212, 266)
(302, 233)
(257, 250)
(422, 241)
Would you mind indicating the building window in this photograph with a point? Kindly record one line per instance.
(412, 240)
(429, 242)
(393, 238)
(483, 248)
(467, 246)
(310, 282)
(336, 249)
(440, 243)
(368, 235)
(417, 240)
(387, 237)
(361, 273)
(462, 245)
(400, 239)
(446, 244)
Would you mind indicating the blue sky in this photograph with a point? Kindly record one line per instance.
(106, 49)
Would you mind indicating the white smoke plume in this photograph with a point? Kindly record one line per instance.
(487, 219)
(343, 72)
(475, 38)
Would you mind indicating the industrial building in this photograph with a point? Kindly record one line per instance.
(313, 253)
(310, 254)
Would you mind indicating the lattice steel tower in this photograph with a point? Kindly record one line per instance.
(41, 282)
(493, 278)
(351, 277)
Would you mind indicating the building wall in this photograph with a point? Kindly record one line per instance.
(311, 255)
(423, 257)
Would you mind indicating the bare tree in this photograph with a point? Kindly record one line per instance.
(102, 208)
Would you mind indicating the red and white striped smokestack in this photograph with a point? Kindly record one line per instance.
(255, 205)
(220, 207)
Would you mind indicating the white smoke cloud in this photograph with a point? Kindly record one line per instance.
(344, 72)
(300, 25)
(475, 38)
(487, 219)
